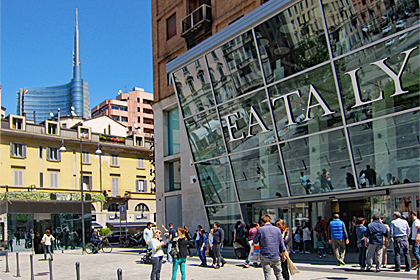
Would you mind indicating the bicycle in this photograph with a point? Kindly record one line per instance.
(104, 245)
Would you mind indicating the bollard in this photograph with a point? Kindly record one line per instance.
(7, 261)
(119, 274)
(77, 270)
(50, 265)
(31, 260)
(17, 265)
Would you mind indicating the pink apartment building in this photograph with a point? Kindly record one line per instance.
(132, 109)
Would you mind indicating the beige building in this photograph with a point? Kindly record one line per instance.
(132, 109)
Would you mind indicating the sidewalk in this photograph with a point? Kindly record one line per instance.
(104, 266)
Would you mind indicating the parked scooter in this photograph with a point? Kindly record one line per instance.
(135, 240)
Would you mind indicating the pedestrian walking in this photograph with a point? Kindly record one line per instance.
(172, 235)
(415, 233)
(320, 244)
(196, 237)
(386, 243)
(218, 239)
(203, 247)
(148, 235)
(338, 238)
(253, 255)
(375, 233)
(156, 244)
(272, 247)
(321, 228)
(189, 238)
(211, 251)
(47, 241)
(361, 244)
(285, 232)
(307, 239)
(10, 237)
(399, 233)
(298, 241)
(180, 260)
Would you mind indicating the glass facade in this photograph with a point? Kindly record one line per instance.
(321, 98)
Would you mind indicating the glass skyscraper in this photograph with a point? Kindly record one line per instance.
(43, 102)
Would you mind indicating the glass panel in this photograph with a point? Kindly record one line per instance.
(234, 68)
(293, 99)
(258, 174)
(318, 164)
(175, 175)
(193, 87)
(378, 89)
(205, 135)
(292, 41)
(247, 122)
(216, 181)
(352, 24)
(404, 205)
(390, 147)
(227, 216)
(173, 132)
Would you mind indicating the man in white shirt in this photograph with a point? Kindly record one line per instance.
(399, 233)
(415, 235)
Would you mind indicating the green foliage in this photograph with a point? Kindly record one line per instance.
(51, 196)
(22, 218)
(104, 231)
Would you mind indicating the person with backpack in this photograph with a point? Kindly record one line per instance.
(320, 229)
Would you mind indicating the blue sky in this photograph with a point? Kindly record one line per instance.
(37, 45)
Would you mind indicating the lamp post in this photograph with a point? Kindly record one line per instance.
(99, 153)
(83, 199)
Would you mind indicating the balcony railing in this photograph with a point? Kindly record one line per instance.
(199, 20)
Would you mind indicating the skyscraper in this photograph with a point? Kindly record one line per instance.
(40, 103)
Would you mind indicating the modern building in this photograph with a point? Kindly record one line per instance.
(132, 109)
(292, 110)
(44, 167)
(43, 103)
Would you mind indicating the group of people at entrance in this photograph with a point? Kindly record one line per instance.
(373, 241)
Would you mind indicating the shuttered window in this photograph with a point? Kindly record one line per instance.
(18, 150)
(54, 180)
(140, 163)
(18, 178)
(115, 186)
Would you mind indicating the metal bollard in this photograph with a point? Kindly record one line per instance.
(119, 274)
(31, 259)
(7, 261)
(17, 265)
(77, 270)
(51, 272)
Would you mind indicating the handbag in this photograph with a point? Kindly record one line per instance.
(175, 250)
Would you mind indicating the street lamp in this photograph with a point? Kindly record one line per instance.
(99, 153)
(82, 193)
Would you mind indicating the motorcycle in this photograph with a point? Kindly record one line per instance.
(135, 240)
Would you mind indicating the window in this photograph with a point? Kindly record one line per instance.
(52, 128)
(138, 109)
(124, 119)
(200, 77)
(114, 160)
(84, 133)
(113, 208)
(174, 175)
(141, 207)
(41, 179)
(141, 185)
(54, 180)
(115, 186)
(139, 140)
(116, 118)
(85, 157)
(53, 154)
(41, 152)
(115, 107)
(169, 79)
(18, 178)
(138, 100)
(171, 27)
(138, 119)
(173, 132)
(140, 163)
(123, 108)
(152, 187)
(17, 123)
(17, 150)
(87, 182)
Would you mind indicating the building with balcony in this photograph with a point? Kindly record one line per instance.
(45, 166)
(292, 120)
(41, 103)
(133, 110)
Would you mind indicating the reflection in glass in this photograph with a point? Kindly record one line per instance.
(390, 147)
(247, 122)
(292, 41)
(258, 174)
(354, 24)
(234, 68)
(375, 89)
(313, 91)
(192, 83)
(216, 181)
(227, 216)
(205, 135)
(318, 164)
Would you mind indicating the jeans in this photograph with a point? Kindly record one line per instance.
(416, 251)
(372, 251)
(362, 256)
(339, 249)
(218, 254)
(47, 249)
(307, 245)
(267, 264)
(179, 262)
(169, 249)
(401, 243)
(202, 255)
(156, 267)
(285, 270)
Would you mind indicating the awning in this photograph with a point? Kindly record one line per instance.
(129, 224)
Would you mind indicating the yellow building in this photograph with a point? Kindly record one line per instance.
(40, 172)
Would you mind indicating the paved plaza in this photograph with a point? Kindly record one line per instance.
(104, 266)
